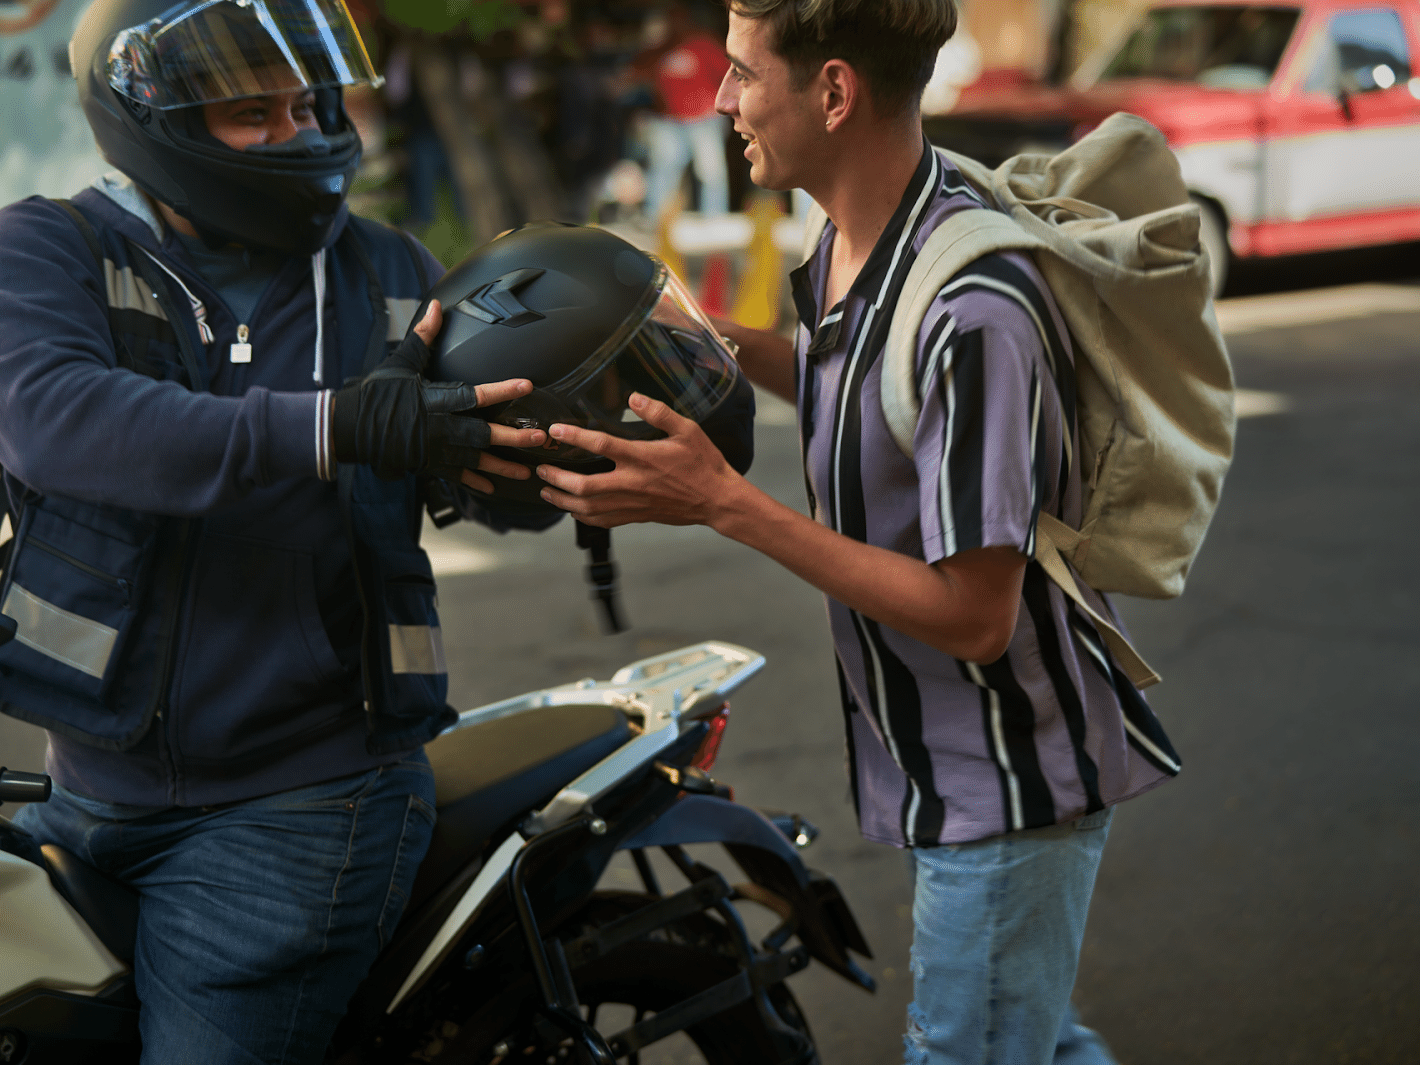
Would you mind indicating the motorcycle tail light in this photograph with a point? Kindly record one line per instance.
(709, 748)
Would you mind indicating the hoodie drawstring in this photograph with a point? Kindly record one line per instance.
(199, 309)
(318, 277)
(199, 312)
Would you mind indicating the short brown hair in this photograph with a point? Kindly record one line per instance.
(893, 44)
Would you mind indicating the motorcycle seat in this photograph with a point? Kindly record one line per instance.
(108, 907)
(488, 775)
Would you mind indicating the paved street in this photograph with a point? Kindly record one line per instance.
(1260, 910)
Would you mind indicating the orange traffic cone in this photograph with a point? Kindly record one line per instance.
(715, 286)
(757, 301)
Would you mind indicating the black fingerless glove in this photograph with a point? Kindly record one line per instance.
(396, 422)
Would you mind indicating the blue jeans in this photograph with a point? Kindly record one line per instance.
(672, 144)
(998, 926)
(257, 919)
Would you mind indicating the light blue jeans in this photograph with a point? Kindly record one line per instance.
(998, 926)
(257, 920)
(671, 145)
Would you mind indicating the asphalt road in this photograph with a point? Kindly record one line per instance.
(1259, 910)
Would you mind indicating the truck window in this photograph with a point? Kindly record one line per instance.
(1365, 51)
(1220, 47)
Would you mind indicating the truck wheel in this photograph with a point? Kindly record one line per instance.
(1213, 235)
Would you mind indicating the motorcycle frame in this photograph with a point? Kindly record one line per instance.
(642, 803)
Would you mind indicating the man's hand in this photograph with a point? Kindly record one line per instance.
(397, 422)
(964, 606)
(681, 480)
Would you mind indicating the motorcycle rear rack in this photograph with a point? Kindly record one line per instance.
(656, 693)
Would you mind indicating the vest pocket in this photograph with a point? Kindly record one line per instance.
(73, 592)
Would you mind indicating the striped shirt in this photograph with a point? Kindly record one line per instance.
(941, 750)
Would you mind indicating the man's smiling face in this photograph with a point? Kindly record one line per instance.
(782, 125)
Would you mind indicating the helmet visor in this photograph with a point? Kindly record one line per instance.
(672, 354)
(230, 49)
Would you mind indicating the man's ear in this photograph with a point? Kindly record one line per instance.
(841, 92)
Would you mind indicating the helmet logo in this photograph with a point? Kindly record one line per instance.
(497, 303)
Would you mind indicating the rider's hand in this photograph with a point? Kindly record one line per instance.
(397, 422)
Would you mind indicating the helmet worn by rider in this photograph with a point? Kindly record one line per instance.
(146, 68)
(589, 319)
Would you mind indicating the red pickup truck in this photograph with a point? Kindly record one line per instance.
(1297, 124)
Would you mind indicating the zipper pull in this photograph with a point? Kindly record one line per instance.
(241, 350)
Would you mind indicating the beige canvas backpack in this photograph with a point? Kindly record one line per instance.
(1111, 228)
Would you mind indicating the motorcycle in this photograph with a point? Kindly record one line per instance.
(511, 948)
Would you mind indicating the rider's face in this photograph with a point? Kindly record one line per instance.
(261, 120)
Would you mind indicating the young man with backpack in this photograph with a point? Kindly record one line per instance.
(991, 724)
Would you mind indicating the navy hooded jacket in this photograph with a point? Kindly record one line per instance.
(202, 617)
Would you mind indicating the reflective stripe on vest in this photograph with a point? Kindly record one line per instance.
(417, 649)
(56, 633)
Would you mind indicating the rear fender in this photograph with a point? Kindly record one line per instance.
(826, 925)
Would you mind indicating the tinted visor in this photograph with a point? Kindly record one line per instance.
(668, 352)
(230, 49)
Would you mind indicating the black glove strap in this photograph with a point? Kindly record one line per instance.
(601, 574)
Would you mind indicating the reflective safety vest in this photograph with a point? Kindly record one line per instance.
(98, 591)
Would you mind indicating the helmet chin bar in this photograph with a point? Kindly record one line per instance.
(300, 184)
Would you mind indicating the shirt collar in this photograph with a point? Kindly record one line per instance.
(803, 280)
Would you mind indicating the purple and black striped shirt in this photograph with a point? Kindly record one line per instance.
(940, 750)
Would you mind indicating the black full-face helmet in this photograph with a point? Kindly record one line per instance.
(589, 319)
(146, 67)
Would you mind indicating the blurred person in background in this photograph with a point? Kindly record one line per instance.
(426, 160)
(590, 127)
(685, 68)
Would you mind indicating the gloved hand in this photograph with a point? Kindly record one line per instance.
(395, 421)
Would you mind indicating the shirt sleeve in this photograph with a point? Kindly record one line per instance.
(73, 423)
(987, 441)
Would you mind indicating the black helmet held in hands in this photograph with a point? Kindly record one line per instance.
(145, 68)
(589, 319)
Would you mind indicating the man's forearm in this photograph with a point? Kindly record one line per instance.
(766, 358)
(967, 610)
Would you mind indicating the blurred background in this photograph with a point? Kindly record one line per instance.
(1262, 908)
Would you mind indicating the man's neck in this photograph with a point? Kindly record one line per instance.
(175, 220)
(861, 192)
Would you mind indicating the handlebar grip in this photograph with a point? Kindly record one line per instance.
(23, 787)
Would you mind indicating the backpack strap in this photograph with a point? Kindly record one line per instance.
(952, 247)
(1053, 536)
(815, 222)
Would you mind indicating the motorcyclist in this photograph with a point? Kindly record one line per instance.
(216, 450)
